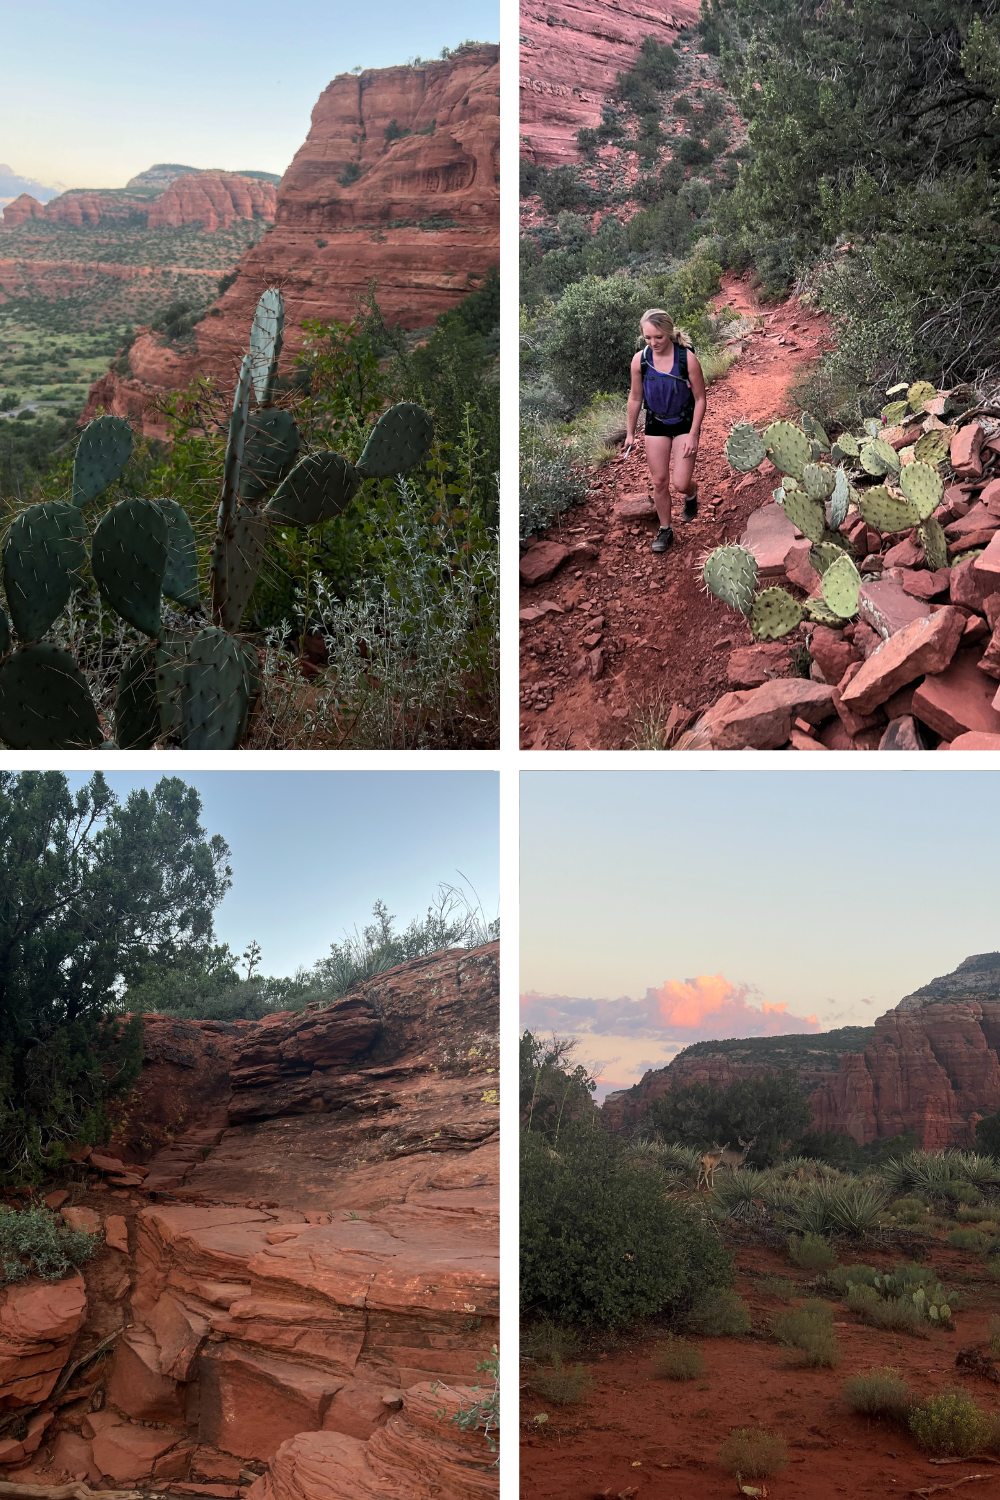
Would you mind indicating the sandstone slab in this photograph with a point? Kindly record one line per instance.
(887, 607)
(974, 740)
(541, 562)
(763, 721)
(958, 700)
(769, 535)
(926, 645)
(39, 1321)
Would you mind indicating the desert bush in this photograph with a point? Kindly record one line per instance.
(893, 1314)
(35, 1242)
(562, 188)
(562, 1385)
(951, 1423)
(753, 1453)
(549, 484)
(842, 1278)
(545, 1340)
(675, 1359)
(595, 330)
(880, 1393)
(995, 1336)
(807, 1328)
(778, 1286)
(909, 1210)
(969, 1239)
(811, 1252)
(600, 1242)
(718, 1314)
(982, 1215)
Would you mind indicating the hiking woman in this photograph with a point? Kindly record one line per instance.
(667, 380)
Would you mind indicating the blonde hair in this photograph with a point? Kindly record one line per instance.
(665, 323)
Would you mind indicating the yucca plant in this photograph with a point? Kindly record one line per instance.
(738, 1189)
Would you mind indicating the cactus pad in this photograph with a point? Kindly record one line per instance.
(400, 439)
(848, 445)
(930, 448)
(934, 543)
(41, 551)
(872, 426)
(45, 703)
(320, 486)
(919, 392)
(137, 713)
(730, 573)
(894, 412)
(808, 515)
(839, 500)
(214, 696)
(745, 448)
(818, 481)
(128, 558)
(823, 554)
(104, 449)
(885, 512)
(820, 613)
(879, 457)
(788, 448)
(236, 561)
(774, 614)
(841, 583)
(171, 656)
(266, 337)
(180, 576)
(815, 430)
(923, 488)
(270, 448)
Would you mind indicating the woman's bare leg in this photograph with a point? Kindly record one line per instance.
(683, 475)
(658, 460)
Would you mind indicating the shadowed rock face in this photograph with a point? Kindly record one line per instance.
(418, 211)
(932, 1067)
(320, 1247)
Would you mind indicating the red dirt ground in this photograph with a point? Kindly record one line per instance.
(664, 637)
(659, 1439)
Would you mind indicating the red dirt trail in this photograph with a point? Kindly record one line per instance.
(664, 639)
(656, 1439)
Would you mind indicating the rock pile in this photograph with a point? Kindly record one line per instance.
(918, 667)
(290, 1274)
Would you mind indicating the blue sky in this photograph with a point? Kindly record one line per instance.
(312, 850)
(714, 899)
(92, 95)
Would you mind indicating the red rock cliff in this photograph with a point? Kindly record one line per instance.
(212, 199)
(311, 1247)
(421, 218)
(571, 51)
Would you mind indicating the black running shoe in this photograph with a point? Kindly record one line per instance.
(691, 505)
(663, 539)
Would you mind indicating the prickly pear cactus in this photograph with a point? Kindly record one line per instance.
(819, 481)
(745, 448)
(879, 457)
(823, 555)
(45, 703)
(839, 500)
(841, 583)
(934, 543)
(820, 613)
(318, 488)
(42, 550)
(128, 559)
(104, 449)
(846, 446)
(923, 488)
(788, 448)
(774, 614)
(919, 392)
(401, 438)
(807, 515)
(930, 448)
(730, 573)
(885, 512)
(815, 431)
(894, 412)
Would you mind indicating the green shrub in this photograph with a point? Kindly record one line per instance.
(995, 1336)
(778, 1286)
(951, 1423)
(842, 1278)
(675, 1359)
(983, 1216)
(969, 1239)
(599, 1241)
(753, 1453)
(35, 1242)
(562, 188)
(563, 1386)
(549, 484)
(808, 1329)
(595, 332)
(909, 1210)
(811, 1252)
(880, 1393)
(718, 1314)
(893, 1315)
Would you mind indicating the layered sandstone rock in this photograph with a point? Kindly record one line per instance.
(931, 1068)
(213, 199)
(417, 212)
(306, 1325)
(570, 55)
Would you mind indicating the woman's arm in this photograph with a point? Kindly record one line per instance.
(687, 444)
(635, 399)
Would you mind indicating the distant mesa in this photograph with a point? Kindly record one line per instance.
(166, 195)
(159, 176)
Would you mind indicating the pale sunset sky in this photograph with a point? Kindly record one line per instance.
(660, 909)
(93, 95)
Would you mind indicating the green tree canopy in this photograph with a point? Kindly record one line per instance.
(94, 890)
(771, 1110)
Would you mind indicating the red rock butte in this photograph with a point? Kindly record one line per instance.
(930, 1068)
(299, 1269)
(570, 55)
(397, 182)
(214, 200)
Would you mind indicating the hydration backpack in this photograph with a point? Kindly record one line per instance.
(669, 397)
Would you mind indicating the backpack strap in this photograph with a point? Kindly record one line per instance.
(682, 362)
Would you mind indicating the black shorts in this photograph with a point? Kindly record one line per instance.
(656, 428)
